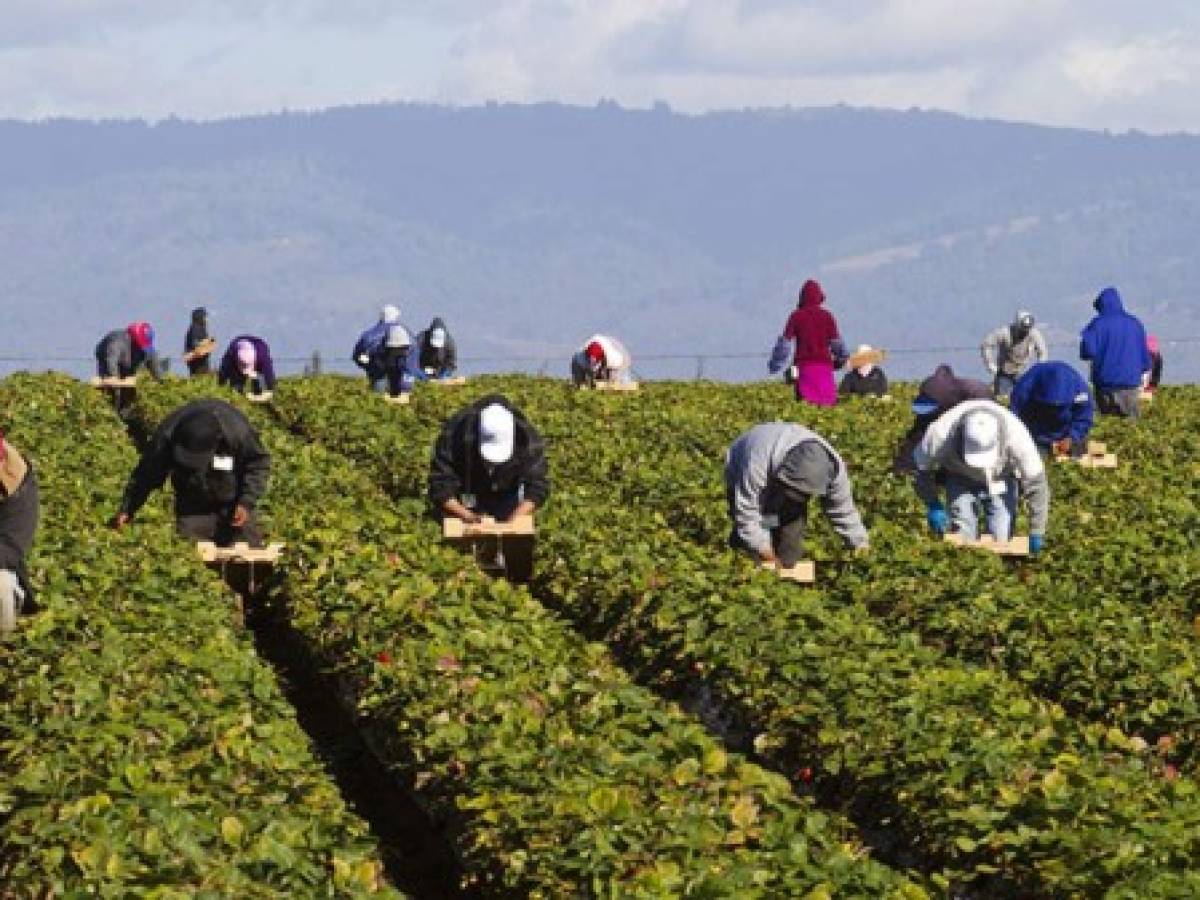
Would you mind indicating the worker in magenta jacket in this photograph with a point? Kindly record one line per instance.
(819, 348)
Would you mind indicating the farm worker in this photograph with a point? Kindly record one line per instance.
(819, 348)
(197, 334)
(218, 469)
(771, 473)
(1010, 350)
(397, 348)
(18, 522)
(1151, 381)
(122, 352)
(865, 378)
(1054, 403)
(988, 456)
(368, 350)
(434, 354)
(489, 460)
(247, 366)
(1115, 343)
(601, 358)
(937, 394)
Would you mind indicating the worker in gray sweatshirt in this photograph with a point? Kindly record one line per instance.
(771, 473)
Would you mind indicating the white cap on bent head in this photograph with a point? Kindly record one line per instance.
(437, 338)
(496, 433)
(981, 440)
(247, 356)
(397, 336)
(1024, 318)
(389, 315)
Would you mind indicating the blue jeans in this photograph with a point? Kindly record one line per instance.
(1002, 385)
(969, 498)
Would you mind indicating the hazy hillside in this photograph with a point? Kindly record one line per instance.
(530, 226)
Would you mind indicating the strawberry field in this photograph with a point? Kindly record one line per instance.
(651, 716)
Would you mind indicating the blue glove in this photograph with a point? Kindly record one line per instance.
(1035, 544)
(935, 515)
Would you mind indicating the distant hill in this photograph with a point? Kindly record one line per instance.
(529, 227)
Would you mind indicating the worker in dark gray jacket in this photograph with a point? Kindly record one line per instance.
(218, 468)
(771, 473)
(18, 522)
(122, 352)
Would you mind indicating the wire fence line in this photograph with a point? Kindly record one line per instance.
(733, 366)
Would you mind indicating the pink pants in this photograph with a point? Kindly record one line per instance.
(814, 383)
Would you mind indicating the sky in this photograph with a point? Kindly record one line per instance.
(1089, 63)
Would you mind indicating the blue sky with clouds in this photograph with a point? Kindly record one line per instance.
(1091, 63)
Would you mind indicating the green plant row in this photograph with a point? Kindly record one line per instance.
(968, 768)
(557, 776)
(144, 749)
(1106, 648)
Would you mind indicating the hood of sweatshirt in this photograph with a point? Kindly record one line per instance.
(1109, 302)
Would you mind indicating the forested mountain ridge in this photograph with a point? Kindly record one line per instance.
(528, 227)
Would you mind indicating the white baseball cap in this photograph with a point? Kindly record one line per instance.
(437, 338)
(496, 430)
(397, 336)
(981, 440)
(390, 314)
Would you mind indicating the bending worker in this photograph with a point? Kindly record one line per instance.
(939, 393)
(1115, 343)
(433, 353)
(247, 366)
(218, 469)
(601, 358)
(368, 350)
(865, 378)
(122, 352)
(1053, 401)
(989, 460)
(489, 460)
(18, 522)
(771, 473)
(1010, 350)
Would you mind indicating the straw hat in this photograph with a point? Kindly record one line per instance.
(866, 355)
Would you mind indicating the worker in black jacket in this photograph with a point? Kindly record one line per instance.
(218, 469)
(490, 461)
(18, 522)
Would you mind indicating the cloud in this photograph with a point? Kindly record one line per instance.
(1094, 63)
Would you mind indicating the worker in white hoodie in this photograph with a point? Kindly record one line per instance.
(601, 358)
(771, 473)
(990, 461)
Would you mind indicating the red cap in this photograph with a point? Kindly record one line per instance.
(142, 334)
(595, 351)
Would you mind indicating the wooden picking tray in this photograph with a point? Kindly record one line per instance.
(241, 552)
(626, 386)
(114, 383)
(264, 397)
(456, 381)
(1097, 457)
(803, 572)
(456, 529)
(398, 400)
(204, 348)
(1018, 546)
(1146, 396)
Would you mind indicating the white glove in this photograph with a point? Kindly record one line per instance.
(363, 359)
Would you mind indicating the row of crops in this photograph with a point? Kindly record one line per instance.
(652, 716)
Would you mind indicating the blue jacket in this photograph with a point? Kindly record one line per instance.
(370, 345)
(1115, 342)
(1054, 402)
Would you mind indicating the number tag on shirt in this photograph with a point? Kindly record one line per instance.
(222, 463)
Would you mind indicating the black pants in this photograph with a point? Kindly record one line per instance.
(1119, 402)
(787, 538)
(215, 527)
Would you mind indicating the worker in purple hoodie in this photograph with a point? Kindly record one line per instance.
(1115, 344)
(247, 366)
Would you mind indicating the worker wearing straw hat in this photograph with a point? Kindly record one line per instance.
(865, 378)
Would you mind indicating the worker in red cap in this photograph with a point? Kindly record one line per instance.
(601, 358)
(122, 352)
(18, 522)
(818, 347)
(247, 366)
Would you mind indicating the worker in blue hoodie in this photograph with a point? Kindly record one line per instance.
(1054, 403)
(1115, 344)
